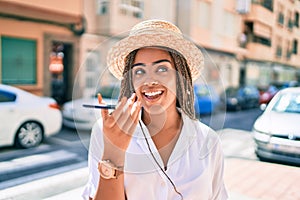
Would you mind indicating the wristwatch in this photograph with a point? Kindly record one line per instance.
(108, 170)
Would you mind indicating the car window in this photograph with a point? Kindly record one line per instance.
(202, 91)
(7, 96)
(231, 92)
(288, 103)
(250, 91)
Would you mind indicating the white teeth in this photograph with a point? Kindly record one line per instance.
(153, 93)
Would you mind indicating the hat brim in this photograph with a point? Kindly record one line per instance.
(117, 54)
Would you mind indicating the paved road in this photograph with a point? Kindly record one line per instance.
(245, 177)
(68, 150)
(64, 152)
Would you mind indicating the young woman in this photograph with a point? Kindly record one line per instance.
(152, 146)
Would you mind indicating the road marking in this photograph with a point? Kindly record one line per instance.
(32, 161)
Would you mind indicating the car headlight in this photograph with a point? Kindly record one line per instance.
(233, 101)
(261, 136)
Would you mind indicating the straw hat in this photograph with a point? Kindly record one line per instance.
(154, 33)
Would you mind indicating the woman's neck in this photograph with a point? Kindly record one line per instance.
(162, 121)
(164, 129)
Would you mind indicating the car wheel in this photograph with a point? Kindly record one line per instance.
(30, 134)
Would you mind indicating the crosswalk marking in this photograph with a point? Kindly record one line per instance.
(35, 160)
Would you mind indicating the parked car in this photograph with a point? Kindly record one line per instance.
(237, 98)
(26, 119)
(206, 99)
(76, 116)
(277, 131)
(266, 94)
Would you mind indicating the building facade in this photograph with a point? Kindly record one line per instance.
(40, 45)
(201, 21)
(272, 35)
(253, 42)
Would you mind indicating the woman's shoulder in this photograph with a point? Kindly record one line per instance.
(206, 138)
(200, 128)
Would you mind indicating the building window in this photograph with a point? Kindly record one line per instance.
(18, 61)
(290, 23)
(295, 46)
(261, 40)
(268, 4)
(278, 51)
(296, 22)
(102, 7)
(280, 18)
(279, 47)
(280, 15)
(288, 50)
(132, 7)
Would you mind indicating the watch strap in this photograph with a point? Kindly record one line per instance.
(113, 170)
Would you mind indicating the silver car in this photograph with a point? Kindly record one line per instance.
(277, 131)
(76, 116)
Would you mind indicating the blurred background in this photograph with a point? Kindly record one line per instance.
(44, 42)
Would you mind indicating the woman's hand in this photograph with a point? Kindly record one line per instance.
(119, 126)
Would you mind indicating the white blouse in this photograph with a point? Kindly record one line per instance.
(195, 165)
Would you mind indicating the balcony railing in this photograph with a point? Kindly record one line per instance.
(259, 51)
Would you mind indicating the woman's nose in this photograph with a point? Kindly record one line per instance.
(150, 83)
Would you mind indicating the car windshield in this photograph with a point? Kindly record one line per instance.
(288, 103)
(231, 92)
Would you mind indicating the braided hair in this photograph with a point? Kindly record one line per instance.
(184, 85)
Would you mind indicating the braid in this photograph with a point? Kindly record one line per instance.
(184, 85)
(127, 88)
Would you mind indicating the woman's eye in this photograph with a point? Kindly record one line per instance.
(139, 71)
(162, 69)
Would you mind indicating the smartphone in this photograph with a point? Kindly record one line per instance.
(99, 106)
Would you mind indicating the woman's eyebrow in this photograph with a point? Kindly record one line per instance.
(159, 61)
(154, 63)
(138, 64)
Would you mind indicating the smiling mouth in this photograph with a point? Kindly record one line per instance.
(153, 94)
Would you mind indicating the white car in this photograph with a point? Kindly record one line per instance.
(26, 119)
(277, 131)
(76, 116)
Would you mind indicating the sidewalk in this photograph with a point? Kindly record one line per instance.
(262, 180)
(244, 179)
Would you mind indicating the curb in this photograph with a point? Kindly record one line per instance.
(47, 187)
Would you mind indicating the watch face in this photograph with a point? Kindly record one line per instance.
(106, 171)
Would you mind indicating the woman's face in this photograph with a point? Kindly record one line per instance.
(154, 79)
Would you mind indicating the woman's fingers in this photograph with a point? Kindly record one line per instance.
(135, 116)
(127, 113)
(104, 112)
(119, 109)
